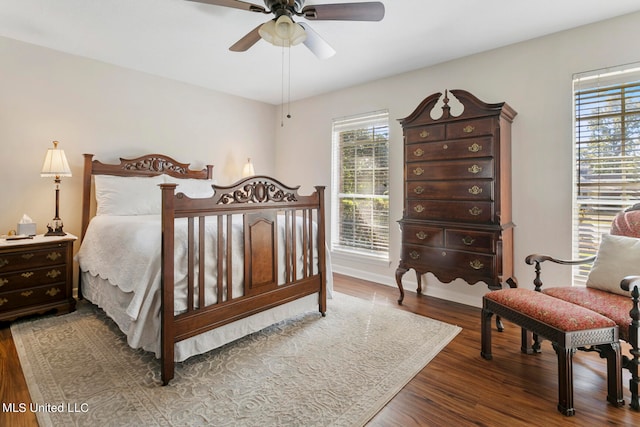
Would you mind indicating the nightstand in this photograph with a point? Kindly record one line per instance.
(36, 276)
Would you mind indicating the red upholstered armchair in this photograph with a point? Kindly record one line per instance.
(613, 286)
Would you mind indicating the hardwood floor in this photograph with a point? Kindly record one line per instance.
(457, 387)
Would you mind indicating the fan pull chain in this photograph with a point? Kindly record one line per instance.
(288, 50)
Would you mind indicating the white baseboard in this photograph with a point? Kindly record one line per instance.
(410, 285)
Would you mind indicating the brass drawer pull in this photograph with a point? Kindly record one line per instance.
(475, 211)
(3, 300)
(27, 274)
(418, 171)
(4, 262)
(421, 235)
(468, 129)
(3, 282)
(475, 147)
(414, 254)
(419, 189)
(468, 240)
(26, 294)
(27, 256)
(475, 169)
(475, 190)
(418, 152)
(445, 147)
(53, 292)
(418, 208)
(476, 264)
(53, 256)
(53, 274)
(424, 134)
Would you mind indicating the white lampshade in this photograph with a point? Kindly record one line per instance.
(282, 32)
(55, 163)
(248, 170)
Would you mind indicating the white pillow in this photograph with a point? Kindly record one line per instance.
(618, 257)
(194, 188)
(120, 195)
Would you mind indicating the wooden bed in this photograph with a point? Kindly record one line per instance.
(283, 246)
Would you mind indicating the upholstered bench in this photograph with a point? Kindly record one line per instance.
(566, 325)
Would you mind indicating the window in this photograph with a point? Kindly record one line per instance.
(607, 153)
(360, 196)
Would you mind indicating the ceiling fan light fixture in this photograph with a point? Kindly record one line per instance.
(282, 32)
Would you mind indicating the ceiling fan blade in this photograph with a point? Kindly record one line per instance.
(317, 44)
(247, 41)
(367, 11)
(234, 4)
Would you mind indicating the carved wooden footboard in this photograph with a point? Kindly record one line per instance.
(267, 249)
(272, 214)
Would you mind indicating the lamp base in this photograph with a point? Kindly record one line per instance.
(56, 230)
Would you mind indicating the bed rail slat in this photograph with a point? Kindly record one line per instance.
(201, 260)
(190, 263)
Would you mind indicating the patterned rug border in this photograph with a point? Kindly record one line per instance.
(36, 362)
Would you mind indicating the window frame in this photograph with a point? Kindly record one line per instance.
(372, 121)
(601, 185)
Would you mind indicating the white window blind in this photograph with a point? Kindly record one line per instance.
(360, 190)
(607, 153)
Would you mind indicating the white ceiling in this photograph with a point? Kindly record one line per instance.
(189, 41)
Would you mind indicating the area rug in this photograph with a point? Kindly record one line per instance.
(338, 370)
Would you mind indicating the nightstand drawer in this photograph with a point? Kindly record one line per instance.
(32, 277)
(28, 258)
(33, 296)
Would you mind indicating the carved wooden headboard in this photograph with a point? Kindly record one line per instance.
(147, 165)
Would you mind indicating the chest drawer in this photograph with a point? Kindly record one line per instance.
(423, 235)
(450, 190)
(469, 240)
(450, 262)
(20, 260)
(452, 169)
(475, 212)
(470, 128)
(424, 134)
(456, 149)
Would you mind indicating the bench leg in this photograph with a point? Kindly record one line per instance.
(526, 339)
(614, 372)
(565, 379)
(485, 332)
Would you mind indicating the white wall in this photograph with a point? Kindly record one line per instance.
(93, 107)
(534, 77)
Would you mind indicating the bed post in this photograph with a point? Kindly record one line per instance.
(86, 207)
(322, 259)
(167, 328)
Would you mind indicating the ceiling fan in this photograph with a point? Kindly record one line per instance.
(283, 31)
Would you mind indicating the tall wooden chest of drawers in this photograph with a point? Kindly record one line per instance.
(457, 192)
(36, 276)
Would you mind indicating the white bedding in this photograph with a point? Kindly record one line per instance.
(120, 264)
